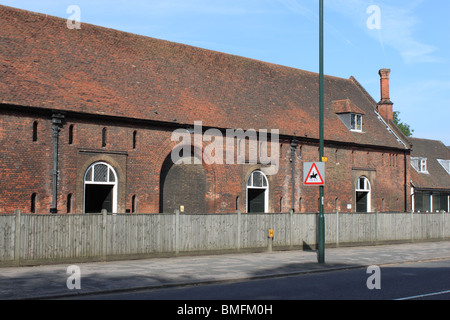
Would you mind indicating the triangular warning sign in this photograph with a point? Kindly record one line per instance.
(314, 177)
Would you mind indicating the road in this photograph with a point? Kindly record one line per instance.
(406, 281)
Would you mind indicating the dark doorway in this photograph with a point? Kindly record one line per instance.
(361, 201)
(98, 197)
(256, 200)
(182, 185)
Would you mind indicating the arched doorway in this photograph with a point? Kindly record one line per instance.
(363, 195)
(257, 192)
(100, 188)
(182, 185)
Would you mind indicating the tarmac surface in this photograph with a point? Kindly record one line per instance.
(52, 281)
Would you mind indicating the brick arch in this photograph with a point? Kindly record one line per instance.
(119, 165)
(166, 148)
(164, 156)
(102, 158)
(270, 181)
(365, 191)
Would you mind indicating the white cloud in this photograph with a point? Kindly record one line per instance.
(399, 23)
(398, 31)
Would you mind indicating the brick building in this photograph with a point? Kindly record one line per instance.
(87, 120)
(430, 176)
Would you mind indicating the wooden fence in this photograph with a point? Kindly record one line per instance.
(53, 238)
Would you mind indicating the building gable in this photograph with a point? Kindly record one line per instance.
(430, 170)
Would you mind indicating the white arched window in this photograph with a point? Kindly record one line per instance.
(363, 195)
(100, 188)
(257, 192)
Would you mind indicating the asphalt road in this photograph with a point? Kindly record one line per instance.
(404, 281)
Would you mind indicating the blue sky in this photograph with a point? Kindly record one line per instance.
(412, 39)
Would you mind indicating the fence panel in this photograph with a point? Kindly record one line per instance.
(7, 234)
(59, 237)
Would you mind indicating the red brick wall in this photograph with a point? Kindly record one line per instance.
(26, 169)
(25, 165)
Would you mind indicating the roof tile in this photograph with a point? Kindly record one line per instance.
(108, 72)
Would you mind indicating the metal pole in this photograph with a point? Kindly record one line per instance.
(321, 244)
(294, 144)
(56, 121)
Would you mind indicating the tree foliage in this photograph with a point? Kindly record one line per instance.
(404, 127)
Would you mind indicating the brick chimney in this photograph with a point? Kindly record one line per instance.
(385, 106)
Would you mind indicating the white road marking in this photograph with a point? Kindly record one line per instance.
(425, 295)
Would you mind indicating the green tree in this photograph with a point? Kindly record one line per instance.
(405, 128)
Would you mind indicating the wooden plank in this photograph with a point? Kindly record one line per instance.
(87, 235)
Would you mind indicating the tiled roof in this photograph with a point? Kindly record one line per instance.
(346, 106)
(108, 72)
(437, 177)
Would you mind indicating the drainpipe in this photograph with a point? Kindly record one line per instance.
(294, 144)
(57, 120)
(406, 180)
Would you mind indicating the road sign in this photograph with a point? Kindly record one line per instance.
(314, 173)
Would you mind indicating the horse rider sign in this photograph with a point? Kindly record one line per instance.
(314, 173)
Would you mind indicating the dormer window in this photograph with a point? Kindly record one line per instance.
(350, 114)
(420, 164)
(445, 164)
(356, 122)
(423, 165)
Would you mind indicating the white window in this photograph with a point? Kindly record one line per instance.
(257, 192)
(356, 122)
(415, 163)
(423, 165)
(445, 164)
(100, 188)
(419, 164)
(363, 195)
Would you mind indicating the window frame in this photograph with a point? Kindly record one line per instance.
(264, 185)
(367, 188)
(420, 164)
(445, 164)
(423, 165)
(354, 117)
(113, 182)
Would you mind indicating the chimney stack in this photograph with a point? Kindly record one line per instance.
(384, 107)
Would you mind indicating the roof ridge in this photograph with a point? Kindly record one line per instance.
(363, 90)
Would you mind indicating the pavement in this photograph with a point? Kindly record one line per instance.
(51, 281)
